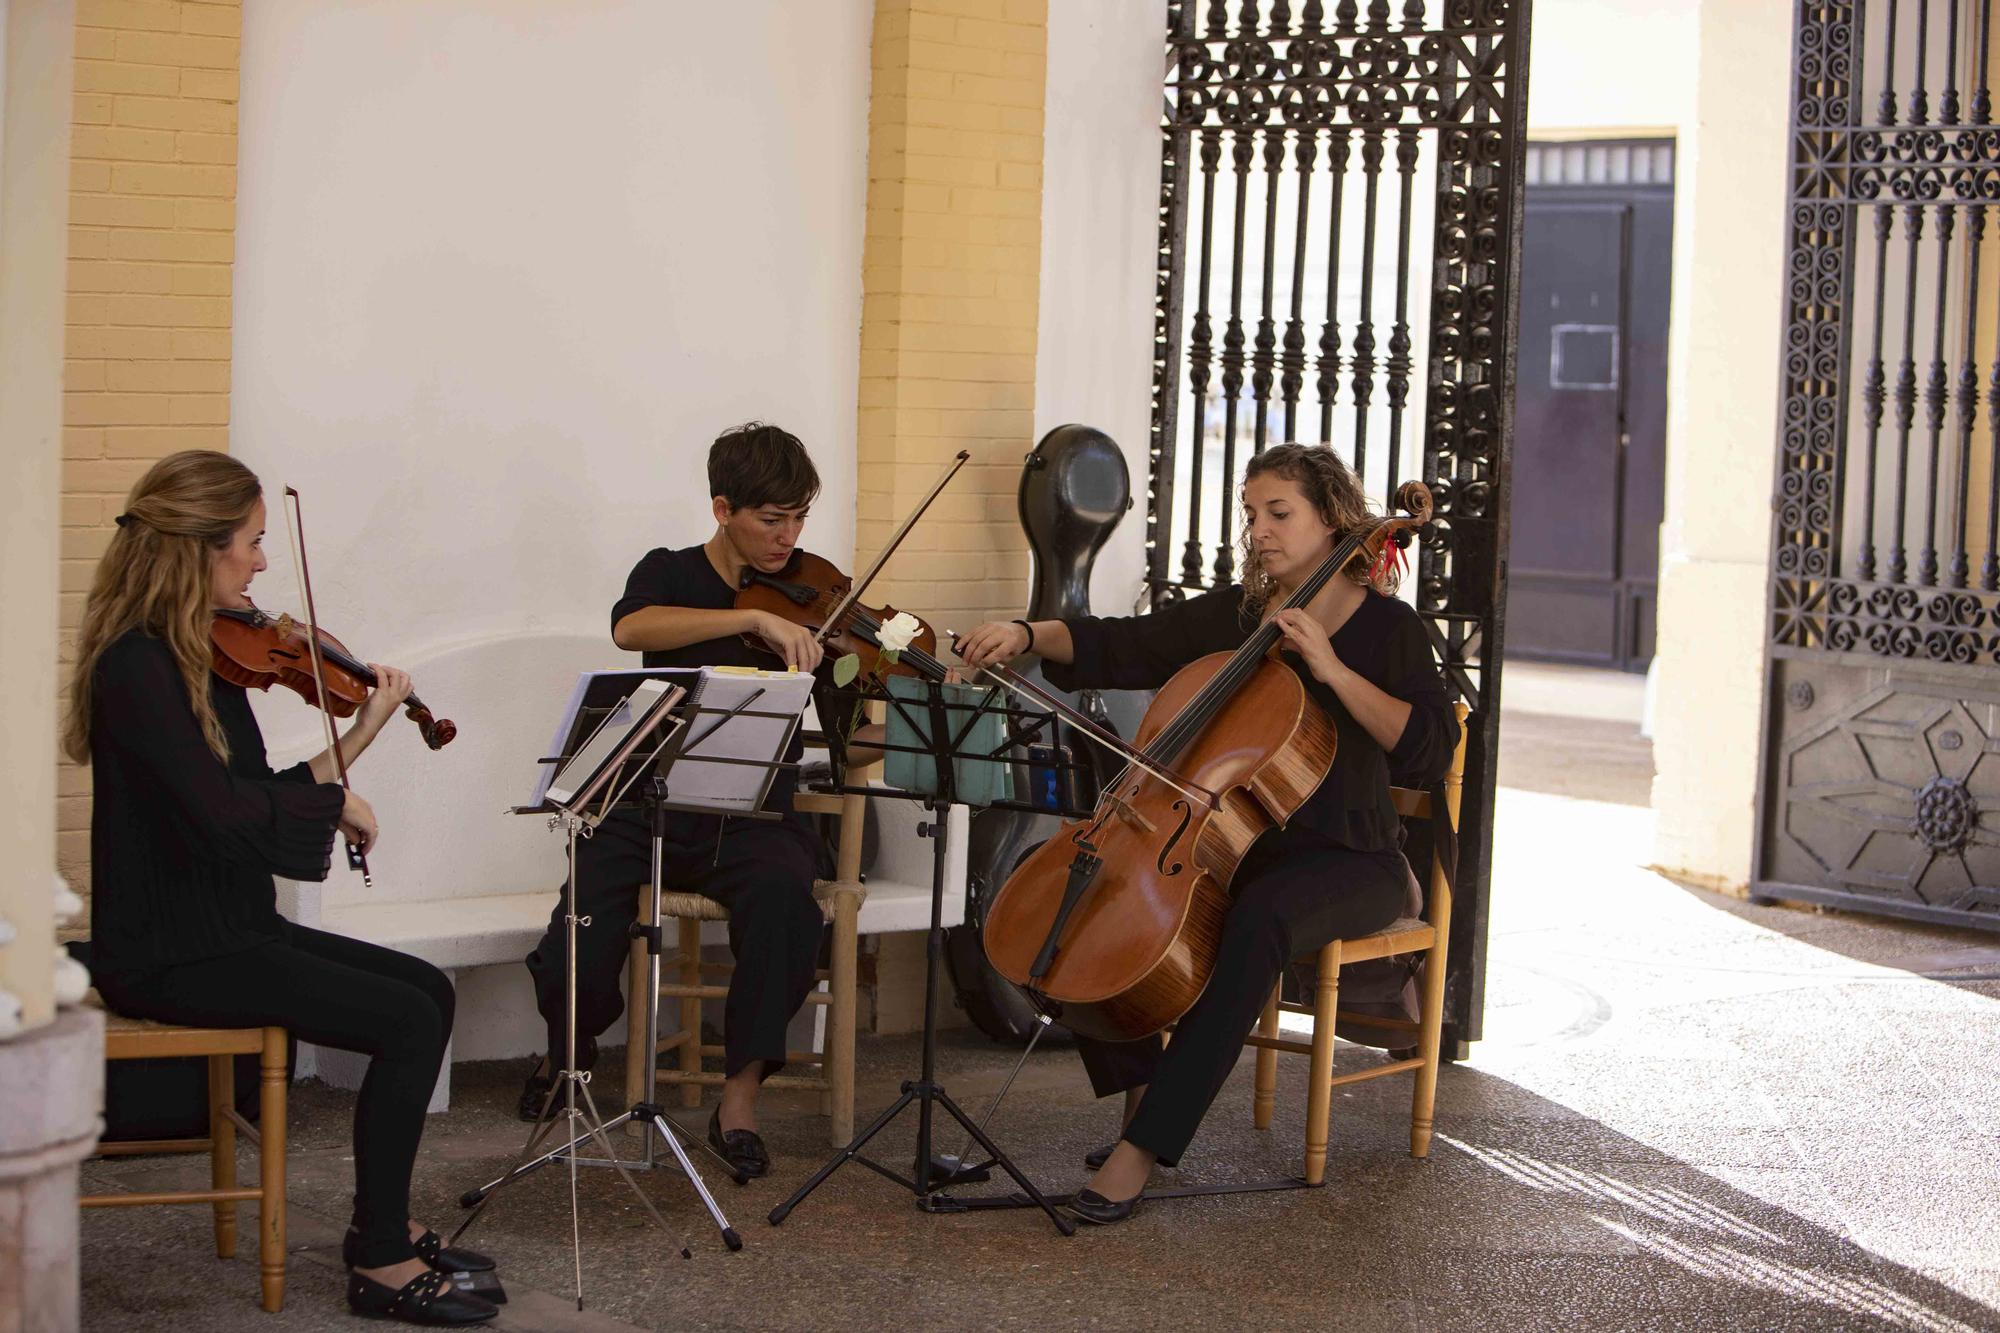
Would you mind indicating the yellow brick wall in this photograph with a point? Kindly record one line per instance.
(152, 232)
(950, 281)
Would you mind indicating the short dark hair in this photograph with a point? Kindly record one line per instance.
(758, 464)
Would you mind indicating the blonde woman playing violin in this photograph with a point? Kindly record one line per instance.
(188, 826)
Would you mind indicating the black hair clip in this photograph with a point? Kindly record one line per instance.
(123, 520)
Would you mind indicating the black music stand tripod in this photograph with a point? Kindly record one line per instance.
(648, 773)
(929, 1179)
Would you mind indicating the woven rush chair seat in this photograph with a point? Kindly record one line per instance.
(142, 1039)
(1410, 934)
(692, 906)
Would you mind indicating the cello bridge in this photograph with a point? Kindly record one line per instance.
(1129, 814)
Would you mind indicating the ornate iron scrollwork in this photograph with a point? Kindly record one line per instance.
(1334, 113)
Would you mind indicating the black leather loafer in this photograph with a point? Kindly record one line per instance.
(1098, 1156)
(1090, 1206)
(535, 1091)
(741, 1148)
(428, 1298)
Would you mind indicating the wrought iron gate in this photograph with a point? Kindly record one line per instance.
(1880, 783)
(1361, 167)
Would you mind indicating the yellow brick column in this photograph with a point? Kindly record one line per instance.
(950, 273)
(152, 217)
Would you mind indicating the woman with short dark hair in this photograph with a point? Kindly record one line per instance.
(679, 610)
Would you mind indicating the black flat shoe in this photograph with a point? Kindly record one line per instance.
(536, 1090)
(449, 1259)
(1097, 1157)
(741, 1148)
(428, 1298)
(430, 1248)
(1090, 1206)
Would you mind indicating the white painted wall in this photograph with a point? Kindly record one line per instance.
(503, 270)
(1100, 205)
(1611, 67)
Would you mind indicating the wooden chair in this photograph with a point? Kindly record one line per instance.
(1410, 935)
(681, 978)
(136, 1039)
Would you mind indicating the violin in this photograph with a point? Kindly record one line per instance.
(256, 651)
(811, 592)
(1112, 926)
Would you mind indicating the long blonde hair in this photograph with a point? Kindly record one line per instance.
(1331, 488)
(156, 577)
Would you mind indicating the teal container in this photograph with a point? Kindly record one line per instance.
(975, 781)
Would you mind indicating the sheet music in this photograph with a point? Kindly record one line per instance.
(736, 788)
(614, 740)
(604, 688)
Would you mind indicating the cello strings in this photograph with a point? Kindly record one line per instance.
(1201, 710)
(1196, 715)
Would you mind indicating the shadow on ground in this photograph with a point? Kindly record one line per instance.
(1527, 1216)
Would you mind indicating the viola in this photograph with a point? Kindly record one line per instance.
(256, 651)
(1112, 925)
(811, 592)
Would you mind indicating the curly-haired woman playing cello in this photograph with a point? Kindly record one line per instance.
(1335, 871)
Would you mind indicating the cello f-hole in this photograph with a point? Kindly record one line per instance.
(1186, 813)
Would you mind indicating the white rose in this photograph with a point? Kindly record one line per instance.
(897, 632)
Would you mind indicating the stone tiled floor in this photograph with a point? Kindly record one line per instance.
(1687, 1113)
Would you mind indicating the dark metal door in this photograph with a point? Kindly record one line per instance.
(1590, 403)
(1564, 604)
(1340, 224)
(1880, 780)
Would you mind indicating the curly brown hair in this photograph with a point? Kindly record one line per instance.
(1332, 489)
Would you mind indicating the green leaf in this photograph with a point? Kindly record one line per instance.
(845, 669)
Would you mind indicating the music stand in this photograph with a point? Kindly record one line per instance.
(942, 744)
(671, 727)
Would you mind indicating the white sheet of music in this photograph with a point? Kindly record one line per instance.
(734, 788)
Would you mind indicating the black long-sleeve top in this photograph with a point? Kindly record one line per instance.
(1383, 642)
(183, 847)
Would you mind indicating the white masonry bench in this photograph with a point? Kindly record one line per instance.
(468, 887)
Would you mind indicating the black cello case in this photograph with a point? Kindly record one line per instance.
(1074, 489)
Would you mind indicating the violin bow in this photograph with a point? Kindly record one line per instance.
(296, 531)
(831, 626)
(1016, 683)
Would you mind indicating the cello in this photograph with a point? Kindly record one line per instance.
(1112, 926)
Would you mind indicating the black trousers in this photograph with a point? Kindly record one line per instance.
(761, 870)
(332, 991)
(1292, 895)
